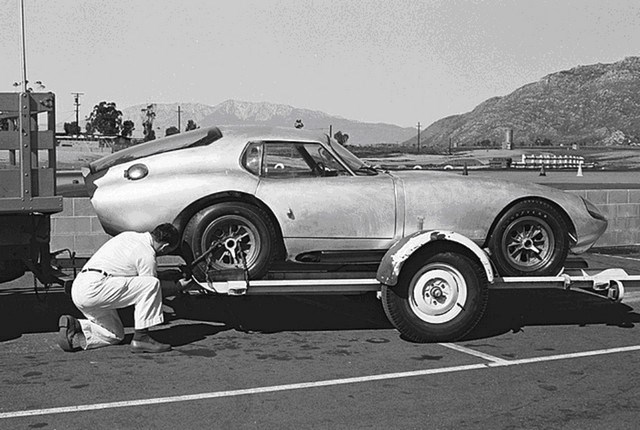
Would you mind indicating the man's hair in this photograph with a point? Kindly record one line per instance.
(166, 233)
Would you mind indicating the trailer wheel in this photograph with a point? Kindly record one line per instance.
(530, 239)
(437, 298)
(239, 229)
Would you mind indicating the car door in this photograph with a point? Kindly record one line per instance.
(318, 201)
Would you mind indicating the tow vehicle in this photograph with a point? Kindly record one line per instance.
(27, 184)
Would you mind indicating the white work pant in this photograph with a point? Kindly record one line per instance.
(98, 296)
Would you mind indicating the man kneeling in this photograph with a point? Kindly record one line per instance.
(123, 272)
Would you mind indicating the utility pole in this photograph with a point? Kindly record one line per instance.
(418, 136)
(76, 103)
(24, 48)
(179, 112)
(330, 130)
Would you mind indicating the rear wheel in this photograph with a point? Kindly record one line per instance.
(530, 239)
(239, 233)
(437, 298)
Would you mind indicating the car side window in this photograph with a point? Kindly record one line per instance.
(252, 159)
(294, 160)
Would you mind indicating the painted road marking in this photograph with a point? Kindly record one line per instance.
(327, 383)
(474, 353)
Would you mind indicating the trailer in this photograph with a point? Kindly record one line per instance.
(27, 185)
(434, 285)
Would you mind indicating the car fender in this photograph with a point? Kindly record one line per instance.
(392, 262)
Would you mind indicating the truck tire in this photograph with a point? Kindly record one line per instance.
(440, 297)
(529, 239)
(237, 227)
(11, 269)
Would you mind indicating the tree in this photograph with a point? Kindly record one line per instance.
(341, 137)
(127, 128)
(105, 118)
(298, 124)
(147, 124)
(171, 130)
(191, 125)
(72, 128)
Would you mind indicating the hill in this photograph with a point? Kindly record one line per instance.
(594, 105)
(232, 112)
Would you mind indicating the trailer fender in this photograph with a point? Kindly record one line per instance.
(393, 260)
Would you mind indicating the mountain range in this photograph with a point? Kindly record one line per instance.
(596, 104)
(231, 112)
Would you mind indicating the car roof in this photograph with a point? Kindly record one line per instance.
(263, 132)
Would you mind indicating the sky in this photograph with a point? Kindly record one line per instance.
(399, 62)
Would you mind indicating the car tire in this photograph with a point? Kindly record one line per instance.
(529, 239)
(438, 298)
(236, 226)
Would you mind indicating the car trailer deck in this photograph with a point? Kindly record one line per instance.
(609, 283)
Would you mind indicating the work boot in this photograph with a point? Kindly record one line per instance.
(70, 334)
(145, 343)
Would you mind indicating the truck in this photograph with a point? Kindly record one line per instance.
(27, 185)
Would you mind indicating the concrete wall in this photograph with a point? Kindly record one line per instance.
(622, 209)
(77, 227)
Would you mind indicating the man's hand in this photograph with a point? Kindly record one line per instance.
(172, 275)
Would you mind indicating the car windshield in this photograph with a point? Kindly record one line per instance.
(354, 163)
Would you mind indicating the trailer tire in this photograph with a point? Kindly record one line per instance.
(11, 269)
(439, 297)
(235, 224)
(529, 239)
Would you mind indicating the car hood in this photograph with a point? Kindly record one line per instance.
(470, 204)
(200, 137)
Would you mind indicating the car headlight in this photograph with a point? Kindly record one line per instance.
(135, 172)
(593, 210)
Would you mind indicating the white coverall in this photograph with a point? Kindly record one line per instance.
(123, 273)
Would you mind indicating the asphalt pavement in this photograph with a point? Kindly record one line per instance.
(538, 359)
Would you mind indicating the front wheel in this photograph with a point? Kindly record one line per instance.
(529, 239)
(438, 298)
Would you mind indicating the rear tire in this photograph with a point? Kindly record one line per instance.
(239, 228)
(440, 297)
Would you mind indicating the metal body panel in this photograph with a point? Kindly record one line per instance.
(391, 264)
(469, 205)
(353, 212)
(124, 204)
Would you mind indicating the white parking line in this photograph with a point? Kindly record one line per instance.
(496, 362)
(474, 353)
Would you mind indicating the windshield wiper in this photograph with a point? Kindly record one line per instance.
(367, 169)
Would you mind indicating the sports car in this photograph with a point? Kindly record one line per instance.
(252, 196)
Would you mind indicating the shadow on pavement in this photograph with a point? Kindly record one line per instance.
(190, 318)
(511, 311)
